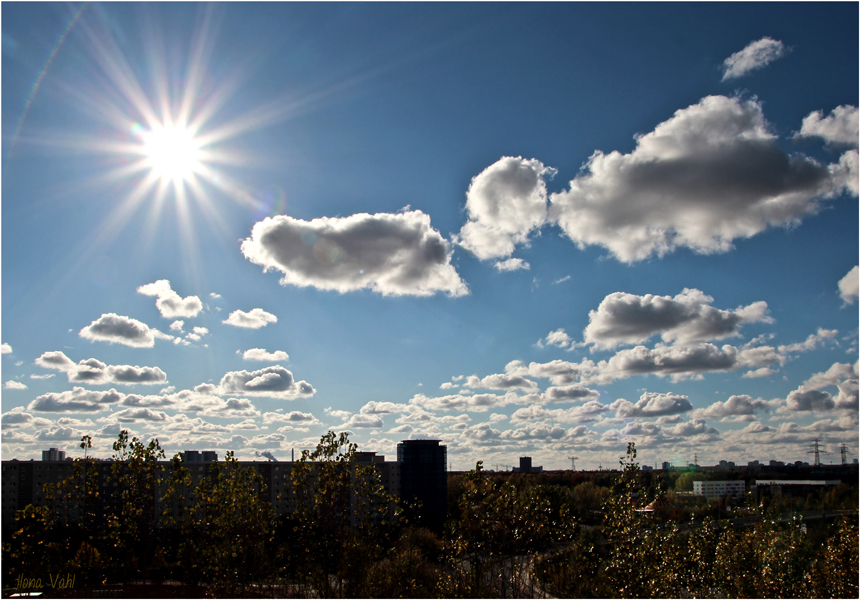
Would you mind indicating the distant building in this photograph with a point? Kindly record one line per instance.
(791, 487)
(647, 468)
(727, 464)
(719, 489)
(389, 471)
(753, 463)
(424, 479)
(53, 455)
(526, 466)
(205, 456)
(667, 466)
(777, 463)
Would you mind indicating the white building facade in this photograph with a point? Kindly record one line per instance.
(719, 489)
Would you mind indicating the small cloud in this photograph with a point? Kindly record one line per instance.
(512, 264)
(255, 319)
(118, 329)
(5, 349)
(169, 303)
(848, 286)
(214, 295)
(562, 280)
(756, 55)
(261, 354)
(557, 338)
(177, 325)
(840, 127)
(14, 385)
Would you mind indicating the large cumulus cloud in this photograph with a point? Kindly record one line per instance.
(623, 318)
(505, 202)
(393, 254)
(708, 175)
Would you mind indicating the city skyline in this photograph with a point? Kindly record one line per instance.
(524, 230)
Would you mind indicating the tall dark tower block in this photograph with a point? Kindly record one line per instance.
(424, 478)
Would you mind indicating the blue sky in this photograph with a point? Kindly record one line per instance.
(523, 229)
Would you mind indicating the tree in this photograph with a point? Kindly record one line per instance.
(499, 530)
(342, 519)
(132, 528)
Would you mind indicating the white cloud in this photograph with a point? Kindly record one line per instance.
(14, 385)
(17, 418)
(693, 428)
(652, 404)
(682, 362)
(840, 127)
(806, 400)
(56, 434)
(139, 414)
(813, 341)
(512, 264)
(95, 372)
(848, 286)
(557, 338)
(570, 393)
(755, 56)
(589, 412)
(735, 406)
(393, 254)
(262, 354)
(270, 382)
(169, 303)
(290, 417)
(177, 325)
(117, 329)
(623, 318)
(837, 373)
(500, 381)
(382, 408)
(76, 400)
(708, 175)
(505, 202)
(5, 348)
(472, 402)
(255, 319)
(360, 421)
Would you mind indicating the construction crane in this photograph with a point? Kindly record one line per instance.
(843, 450)
(572, 462)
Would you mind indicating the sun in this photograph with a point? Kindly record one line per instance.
(172, 152)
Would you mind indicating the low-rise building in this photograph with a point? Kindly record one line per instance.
(719, 489)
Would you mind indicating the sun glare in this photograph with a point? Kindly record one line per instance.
(172, 153)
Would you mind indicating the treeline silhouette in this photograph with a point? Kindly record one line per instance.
(583, 536)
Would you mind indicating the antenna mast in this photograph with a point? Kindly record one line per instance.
(572, 462)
